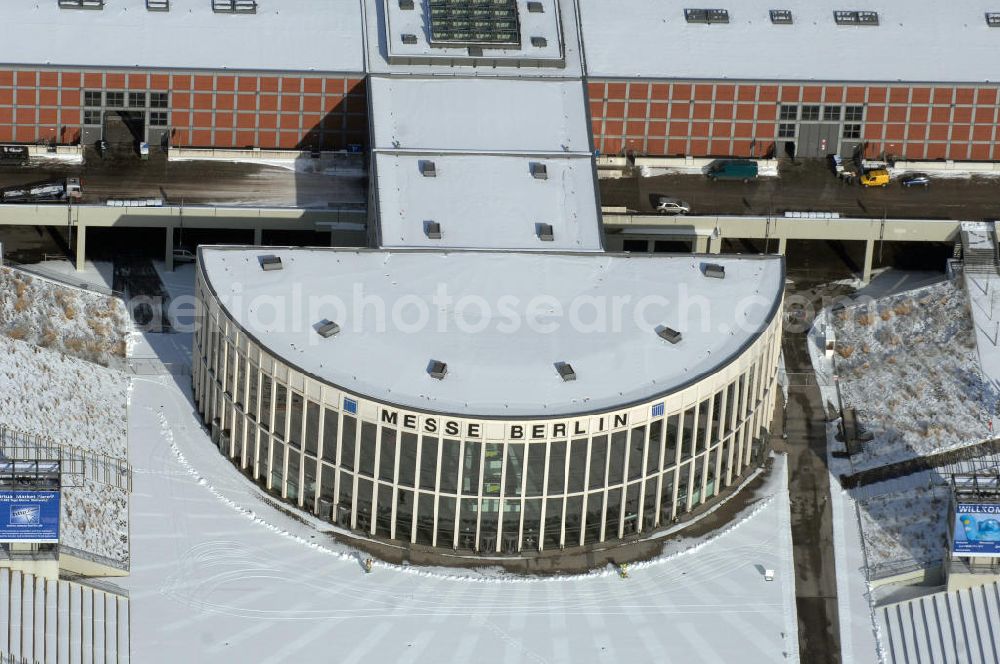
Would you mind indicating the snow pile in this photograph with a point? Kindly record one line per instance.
(908, 364)
(86, 325)
(72, 401)
(909, 526)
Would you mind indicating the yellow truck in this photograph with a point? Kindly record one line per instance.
(876, 178)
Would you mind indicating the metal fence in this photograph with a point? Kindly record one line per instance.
(77, 463)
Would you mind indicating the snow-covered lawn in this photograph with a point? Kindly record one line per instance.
(86, 325)
(909, 526)
(69, 400)
(908, 364)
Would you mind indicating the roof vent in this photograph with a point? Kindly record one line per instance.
(781, 16)
(327, 328)
(539, 171)
(855, 18)
(81, 4)
(427, 169)
(432, 229)
(406, 4)
(234, 6)
(544, 232)
(706, 15)
(269, 262)
(993, 19)
(565, 370)
(158, 5)
(475, 51)
(715, 271)
(669, 334)
(409, 38)
(535, 8)
(437, 369)
(539, 42)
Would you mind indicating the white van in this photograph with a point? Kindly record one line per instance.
(668, 205)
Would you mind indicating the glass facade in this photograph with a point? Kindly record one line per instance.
(473, 484)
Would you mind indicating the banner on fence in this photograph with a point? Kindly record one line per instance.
(977, 529)
(29, 516)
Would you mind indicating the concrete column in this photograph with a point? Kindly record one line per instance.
(81, 247)
(168, 248)
(866, 275)
(700, 244)
(258, 236)
(782, 245)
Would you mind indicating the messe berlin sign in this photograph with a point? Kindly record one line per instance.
(29, 516)
(977, 529)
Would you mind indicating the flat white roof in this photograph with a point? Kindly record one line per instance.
(506, 62)
(487, 202)
(472, 115)
(920, 40)
(499, 320)
(285, 35)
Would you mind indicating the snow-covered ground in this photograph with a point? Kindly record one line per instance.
(908, 364)
(906, 527)
(72, 401)
(72, 321)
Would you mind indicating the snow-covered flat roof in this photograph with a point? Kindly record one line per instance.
(487, 202)
(476, 115)
(285, 35)
(920, 40)
(501, 321)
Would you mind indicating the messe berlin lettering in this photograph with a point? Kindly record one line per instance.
(522, 431)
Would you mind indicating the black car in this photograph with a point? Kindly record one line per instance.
(915, 180)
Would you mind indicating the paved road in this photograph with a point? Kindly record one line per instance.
(811, 186)
(197, 182)
(812, 526)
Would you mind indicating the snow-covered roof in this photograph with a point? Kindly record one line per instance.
(287, 35)
(559, 57)
(487, 202)
(921, 40)
(501, 321)
(475, 115)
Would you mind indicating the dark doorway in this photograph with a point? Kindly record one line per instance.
(124, 130)
(790, 149)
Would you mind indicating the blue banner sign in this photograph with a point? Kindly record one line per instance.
(29, 516)
(977, 529)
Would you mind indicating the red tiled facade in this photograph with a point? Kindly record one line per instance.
(205, 109)
(741, 119)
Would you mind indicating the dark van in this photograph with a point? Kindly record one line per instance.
(735, 169)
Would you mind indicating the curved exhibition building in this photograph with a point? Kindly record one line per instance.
(489, 402)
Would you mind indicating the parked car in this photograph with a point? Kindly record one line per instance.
(184, 256)
(915, 180)
(668, 205)
(733, 169)
(878, 177)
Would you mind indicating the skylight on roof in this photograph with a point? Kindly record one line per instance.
(855, 17)
(706, 15)
(483, 23)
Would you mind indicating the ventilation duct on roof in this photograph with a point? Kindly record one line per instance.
(706, 15)
(535, 8)
(234, 6)
(433, 230)
(437, 369)
(427, 169)
(715, 271)
(565, 370)
(409, 38)
(269, 262)
(327, 328)
(545, 233)
(406, 4)
(81, 4)
(781, 16)
(993, 19)
(539, 42)
(539, 171)
(669, 334)
(158, 5)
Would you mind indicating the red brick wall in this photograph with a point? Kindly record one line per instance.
(723, 119)
(207, 109)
